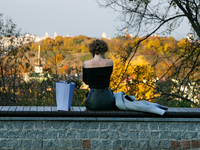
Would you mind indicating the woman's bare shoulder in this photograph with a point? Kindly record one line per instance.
(109, 62)
(86, 63)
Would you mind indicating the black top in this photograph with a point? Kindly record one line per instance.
(97, 78)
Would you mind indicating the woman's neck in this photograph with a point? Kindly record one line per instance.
(100, 56)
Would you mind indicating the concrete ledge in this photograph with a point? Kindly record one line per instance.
(51, 111)
(99, 119)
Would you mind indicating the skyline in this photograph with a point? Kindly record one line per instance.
(67, 17)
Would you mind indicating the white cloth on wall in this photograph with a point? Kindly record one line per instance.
(123, 103)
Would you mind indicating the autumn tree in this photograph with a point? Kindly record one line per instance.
(147, 17)
(138, 80)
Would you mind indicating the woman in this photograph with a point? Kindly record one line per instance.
(96, 73)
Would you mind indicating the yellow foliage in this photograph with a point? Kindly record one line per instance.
(59, 58)
(135, 79)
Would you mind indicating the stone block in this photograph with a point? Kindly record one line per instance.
(116, 144)
(13, 134)
(3, 133)
(86, 144)
(164, 135)
(155, 135)
(184, 135)
(61, 133)
(103, 134)
(193, 135)
(113, 134)
(57, 143)
(114, 125)
(51, 134)
(104, 125)
(163, 126)
(26, 143)
(6, 143)
(154, 144)
(134, 143)
(106, 144)
(28, 125)
(71, 134)
(198, 126)
(125, 144)
(82, 134)
(182, 126)
(124, 126)
(47, 143)
(143, 126)
(186, 144)
(57, 125)
(195, 144)
(75, 125)
(84, 125)
(66, 125)
(96, 144)
(42, 134)
(48, 124)
(165, 144)
(143, 143)
(175, 144)
(133, 126)
(93, 134)
(9, 125)
(153, 126)
(94, 125)
(174, 126)
(18, 125)
(144, 134)
(76, 143)
(66, 143)
(2, 125)
(124, 134)
(176, 135)
(37, 143)
(134, 134)
(33, 134)
(39, 125)
(17, 143)
(24, 134)
(191, 126)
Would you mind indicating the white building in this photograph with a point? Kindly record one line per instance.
(55, 35)
(46, 35)
(104, 35)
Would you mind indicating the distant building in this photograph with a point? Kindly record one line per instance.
(55, 35)
(156, 35)
(104, 35)
(46, 35)
(190, 37)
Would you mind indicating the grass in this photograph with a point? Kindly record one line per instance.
(86, 57)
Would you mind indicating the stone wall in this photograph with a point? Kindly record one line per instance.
(61, 133)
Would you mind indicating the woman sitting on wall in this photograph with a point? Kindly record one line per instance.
(96, 74)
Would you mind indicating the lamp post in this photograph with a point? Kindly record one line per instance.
(1, 50)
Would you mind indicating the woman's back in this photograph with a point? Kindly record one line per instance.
(97, 61)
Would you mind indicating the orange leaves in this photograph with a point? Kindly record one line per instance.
(66, 69)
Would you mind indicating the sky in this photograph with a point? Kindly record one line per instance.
(67, 17)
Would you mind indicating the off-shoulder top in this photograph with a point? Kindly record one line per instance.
(97, 78)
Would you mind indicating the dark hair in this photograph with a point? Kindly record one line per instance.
(98, 47)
